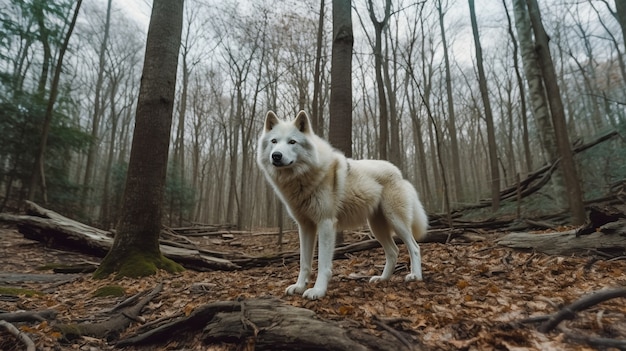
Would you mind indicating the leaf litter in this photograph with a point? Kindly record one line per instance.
(473, 295)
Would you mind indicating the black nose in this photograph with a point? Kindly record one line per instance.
(277, 156)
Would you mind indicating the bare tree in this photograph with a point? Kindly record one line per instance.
(340, 129)
(97, 113)
(454, 144)
(316, 108)
(522, 92)
(484, 93)
(620, 15)
(570, 174)
(37, 174)
(135, 250)
(537, 94)
(614, 38)
(379, 26)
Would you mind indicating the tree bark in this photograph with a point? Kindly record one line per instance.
(266, 324)
(537, 93)
(454, 145)
(491, 134)
(522, 92)
(340, 124)
(379, 26)
(135, 251)
(620, 15)
(316, 113)
(568, 166)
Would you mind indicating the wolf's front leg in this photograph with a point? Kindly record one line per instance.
(326, 249)
(307, 244)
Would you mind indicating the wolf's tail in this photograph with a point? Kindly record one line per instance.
(419, 225)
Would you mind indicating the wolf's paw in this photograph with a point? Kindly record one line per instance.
(378, 278)
(314, 293)
(295, 289)
(412, 277)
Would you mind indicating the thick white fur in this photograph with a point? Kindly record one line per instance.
(325, 192)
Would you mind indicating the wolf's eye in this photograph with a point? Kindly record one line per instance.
(292, 141)
(273, 141)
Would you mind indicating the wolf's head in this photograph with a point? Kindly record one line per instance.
(286, 145)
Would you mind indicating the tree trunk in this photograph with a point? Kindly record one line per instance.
(37, 174)
(454, 145)
(395, 140)
(537, 94)
(568, 166)
(620, 15)
(43, 36)
(491, 135)
(95, 121)
(379, 26)
(340, 124)
(522, 92)
(316, 112)
(105, 208)
(135, 251)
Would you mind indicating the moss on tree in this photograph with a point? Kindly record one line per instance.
(135, 264)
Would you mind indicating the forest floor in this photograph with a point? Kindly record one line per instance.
(472, 296)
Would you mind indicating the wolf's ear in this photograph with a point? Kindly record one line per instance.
(302, 122)
(270, 120)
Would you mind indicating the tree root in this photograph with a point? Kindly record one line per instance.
(30, 345)
(568, 312)
(123, 315)
(268, 324)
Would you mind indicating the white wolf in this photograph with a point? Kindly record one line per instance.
(324, 192)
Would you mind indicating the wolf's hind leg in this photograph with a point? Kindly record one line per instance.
(403, 230)
(382, 231)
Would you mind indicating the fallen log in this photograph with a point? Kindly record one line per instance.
(536, 180)
(266, 324)
(609, 238)
(56, 230)
(28, 316)
(433, 236)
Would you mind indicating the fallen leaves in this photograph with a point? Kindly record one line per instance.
(471, 298)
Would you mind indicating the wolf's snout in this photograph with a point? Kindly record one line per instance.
(277, 156)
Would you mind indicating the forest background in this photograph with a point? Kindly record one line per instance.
(240, 59)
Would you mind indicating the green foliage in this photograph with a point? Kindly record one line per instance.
(20, 122)
(24, 26)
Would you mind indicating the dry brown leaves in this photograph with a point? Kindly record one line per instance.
(471, 297)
